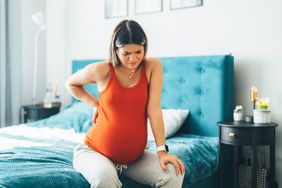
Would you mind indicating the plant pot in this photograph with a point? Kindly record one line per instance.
(262, 116)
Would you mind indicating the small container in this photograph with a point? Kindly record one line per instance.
(262, 116)
(249, 119)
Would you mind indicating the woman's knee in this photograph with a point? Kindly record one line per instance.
(170, 179)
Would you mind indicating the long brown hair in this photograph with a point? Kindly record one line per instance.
(126, 32)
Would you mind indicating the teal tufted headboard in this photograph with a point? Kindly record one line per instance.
(202, 84)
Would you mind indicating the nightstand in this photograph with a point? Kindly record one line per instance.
(232, 137)
(36, 112)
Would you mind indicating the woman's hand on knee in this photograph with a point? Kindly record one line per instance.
(166, 158)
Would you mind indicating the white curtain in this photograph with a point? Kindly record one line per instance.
(10, 62)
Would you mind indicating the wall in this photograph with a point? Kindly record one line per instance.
(250, 30)
(28, 29)
(57, 45)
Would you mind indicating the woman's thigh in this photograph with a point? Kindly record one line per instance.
(97, 169)
(147, 170)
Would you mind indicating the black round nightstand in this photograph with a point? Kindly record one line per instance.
(36, 112)
(234, 135)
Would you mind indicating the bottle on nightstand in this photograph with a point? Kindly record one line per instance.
(48, 98)
(55, 95)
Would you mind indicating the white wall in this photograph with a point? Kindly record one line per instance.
(28, 31)
(250, 30)
(57, 45)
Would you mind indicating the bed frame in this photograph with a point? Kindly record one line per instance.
(202, 84)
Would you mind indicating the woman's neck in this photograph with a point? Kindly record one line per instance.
(129, 72)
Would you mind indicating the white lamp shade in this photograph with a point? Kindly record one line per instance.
(39, 19)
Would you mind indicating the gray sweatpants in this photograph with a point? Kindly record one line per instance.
(101, 172)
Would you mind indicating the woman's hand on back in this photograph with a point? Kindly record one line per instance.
(95, 115)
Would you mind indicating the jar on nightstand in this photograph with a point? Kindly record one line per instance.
(238, 116)
(238, 113)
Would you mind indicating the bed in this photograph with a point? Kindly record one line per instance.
(39, 154)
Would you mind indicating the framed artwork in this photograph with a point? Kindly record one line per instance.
(116, 8)
(178, 4)
(148, 6)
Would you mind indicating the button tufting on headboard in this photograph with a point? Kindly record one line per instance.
(199, 69)
(181, 101)
(182, 80)
(200, 84)
(198, 90)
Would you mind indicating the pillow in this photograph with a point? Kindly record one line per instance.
(77, 116)
(173, 119)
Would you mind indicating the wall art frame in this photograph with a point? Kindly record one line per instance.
(180, 4)
(116, 8)
(148, 6)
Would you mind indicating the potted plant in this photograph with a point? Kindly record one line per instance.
(262, 114)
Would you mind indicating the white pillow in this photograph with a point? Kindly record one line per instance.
(173, 119)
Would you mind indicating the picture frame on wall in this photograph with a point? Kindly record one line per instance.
(179, 4)
(148, 6)
(116, 8)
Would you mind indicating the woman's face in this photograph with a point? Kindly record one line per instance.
(131, 55)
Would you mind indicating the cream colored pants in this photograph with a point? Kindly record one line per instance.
(101, 172)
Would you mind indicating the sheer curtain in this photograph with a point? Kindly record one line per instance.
(10, 62)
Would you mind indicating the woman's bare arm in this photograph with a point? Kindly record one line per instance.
(90, 74)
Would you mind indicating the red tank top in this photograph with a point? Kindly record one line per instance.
(120, 132)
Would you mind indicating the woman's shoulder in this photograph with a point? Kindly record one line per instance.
(100, 69)
(153, 63)
(153, 66)
(153, 60)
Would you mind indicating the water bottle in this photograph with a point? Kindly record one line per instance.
(48, 98)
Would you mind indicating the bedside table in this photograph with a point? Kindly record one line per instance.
(232, 137)
(36, 112)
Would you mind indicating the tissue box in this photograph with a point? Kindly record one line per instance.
(262, 116)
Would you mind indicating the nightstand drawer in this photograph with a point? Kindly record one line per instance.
(247, 136)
